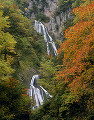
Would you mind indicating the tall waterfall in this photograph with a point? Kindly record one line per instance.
(36, 91)
(40, 28)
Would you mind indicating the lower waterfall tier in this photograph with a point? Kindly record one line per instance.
(37, 92)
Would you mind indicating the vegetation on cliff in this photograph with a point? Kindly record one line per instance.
(73, 78)
(68, 77)
(37, 8)
(21, 49)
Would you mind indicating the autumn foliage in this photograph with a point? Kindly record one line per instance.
(79, 53)
(14, 100)
(72, 85)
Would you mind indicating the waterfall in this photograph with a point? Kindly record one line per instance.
(37, 92)
(40, 28)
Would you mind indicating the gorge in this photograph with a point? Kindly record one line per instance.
(46, 51)
(38, 9)
(37, 92)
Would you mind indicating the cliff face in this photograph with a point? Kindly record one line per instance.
(49, 8)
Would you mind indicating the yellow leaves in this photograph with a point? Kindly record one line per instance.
(10, 59)
(5, 70)
(1, 5)
(6, 40)
(10, 42)
(70, 98)
(25, 9)
(3, 21)
(7, 44)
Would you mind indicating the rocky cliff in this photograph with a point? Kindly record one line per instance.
(55, 24)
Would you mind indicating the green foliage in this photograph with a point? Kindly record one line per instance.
(22, 4)
(5, 70)
(21, 49)
(47, 72)
(66, 4)
(76, 3)
(63, 6)
(30, 46)
(14, 101)
(7, 44)
(42, 17)
(73, 91)
(38, 9)
(68, 23)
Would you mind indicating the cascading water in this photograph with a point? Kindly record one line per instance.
(40, 28)
(36, 91)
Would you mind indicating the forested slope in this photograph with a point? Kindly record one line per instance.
(72, 79)
(68, 77)
(21, 49)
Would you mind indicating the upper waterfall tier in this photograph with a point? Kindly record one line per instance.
(40, 28)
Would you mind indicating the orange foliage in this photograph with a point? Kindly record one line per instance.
(12, 82)
(15, 84)
(78, 48)
(85, 12)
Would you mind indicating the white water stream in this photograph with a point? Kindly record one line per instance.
(40, 28)
(36, 91)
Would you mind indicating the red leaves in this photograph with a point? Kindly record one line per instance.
(15, 84)
(12, 83)
(78, 48)
(86, 12)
